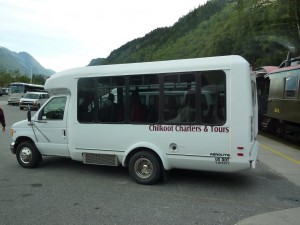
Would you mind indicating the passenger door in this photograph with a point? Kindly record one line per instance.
(50, 127)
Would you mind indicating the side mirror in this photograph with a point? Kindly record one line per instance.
(29, 115)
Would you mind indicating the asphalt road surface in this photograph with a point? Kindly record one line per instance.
(62, 191)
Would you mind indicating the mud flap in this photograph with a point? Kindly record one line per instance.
(253, 154)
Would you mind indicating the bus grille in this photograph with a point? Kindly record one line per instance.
(100, 159)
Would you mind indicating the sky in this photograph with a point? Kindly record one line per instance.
(62, 34)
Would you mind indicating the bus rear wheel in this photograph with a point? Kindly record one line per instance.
(145, 168)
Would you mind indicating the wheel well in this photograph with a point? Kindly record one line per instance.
(22, 139)
(128, 157)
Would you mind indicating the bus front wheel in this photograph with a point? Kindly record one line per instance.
(145, 168)
(27, 155)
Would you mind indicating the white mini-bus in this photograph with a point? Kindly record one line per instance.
(196, 114)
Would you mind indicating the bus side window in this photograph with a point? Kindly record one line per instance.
(138, 112)
(188, 111)
(179, 92)
(221, 107)
(86, 107)
(143, 104)
(204, 107)
(213, 91)
(109, 109)
(111, 99)
(171, 107)
(86, 100)
(153, 112)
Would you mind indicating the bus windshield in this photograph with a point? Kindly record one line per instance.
(16, 89)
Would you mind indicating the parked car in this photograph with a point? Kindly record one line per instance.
(5, 91)
(1, 91)
(34, 100)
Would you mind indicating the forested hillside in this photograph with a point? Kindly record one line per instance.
(259, 30)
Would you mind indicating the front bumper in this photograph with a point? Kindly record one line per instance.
(13, 101)
(12, 147)
(27, 105)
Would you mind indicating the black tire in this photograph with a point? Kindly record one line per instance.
(27, 155)
(21, 108)
(145, 168)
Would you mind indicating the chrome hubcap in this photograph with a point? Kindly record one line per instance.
(25, 155)
(143, 168)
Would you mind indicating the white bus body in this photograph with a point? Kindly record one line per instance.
(219, 135)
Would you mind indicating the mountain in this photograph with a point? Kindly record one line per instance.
(23, 62)
(97, 61)
(259, 30)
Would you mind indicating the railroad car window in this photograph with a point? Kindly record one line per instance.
(291, 86)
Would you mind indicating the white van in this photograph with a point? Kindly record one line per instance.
(198, 114)
(33, 100)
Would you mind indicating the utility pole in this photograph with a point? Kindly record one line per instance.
(30, 74)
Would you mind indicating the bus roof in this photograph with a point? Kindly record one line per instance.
(60, 82)
(25, 84)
